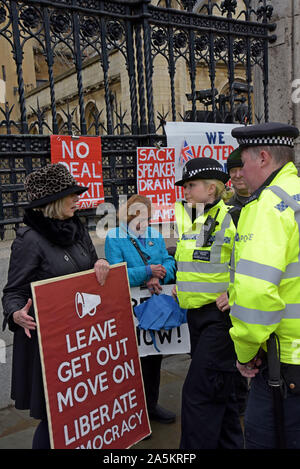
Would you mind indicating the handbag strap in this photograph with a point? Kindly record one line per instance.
(135, 244)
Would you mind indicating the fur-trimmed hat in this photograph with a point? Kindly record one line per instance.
(50, 183)
(202, 168)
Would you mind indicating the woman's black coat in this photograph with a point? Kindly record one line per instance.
(34, 258)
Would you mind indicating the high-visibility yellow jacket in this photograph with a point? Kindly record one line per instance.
(265, 293)
(202, 272)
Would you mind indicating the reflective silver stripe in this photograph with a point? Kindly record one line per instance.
(287, 198)
(232, 264)
(189, 236)
(202, 287)
(292, 311)
(215, 253)
(292, 270)
(256, 316)
(290, 202)
(259, 271)
(202, 267)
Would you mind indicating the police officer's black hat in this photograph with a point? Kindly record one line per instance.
(268, 134)
(202, 168)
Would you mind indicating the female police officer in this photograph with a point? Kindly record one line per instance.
(206, 234)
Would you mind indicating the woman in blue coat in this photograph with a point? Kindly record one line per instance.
(148, 263)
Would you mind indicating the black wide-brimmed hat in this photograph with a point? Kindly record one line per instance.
(50, 183)
(202, 168)
(268, 134)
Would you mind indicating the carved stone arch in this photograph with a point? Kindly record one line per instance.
(219, 7)
(91, 112)
(199, 5)
(225, 88)
(62, 128)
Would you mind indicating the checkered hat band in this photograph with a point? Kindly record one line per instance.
(249, 141)
(200, 170)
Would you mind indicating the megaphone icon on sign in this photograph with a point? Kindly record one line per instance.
(86, 303)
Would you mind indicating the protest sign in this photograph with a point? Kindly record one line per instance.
(82, 157)
(171, 342)
(199, 139)
(91, 369)
(155, 180)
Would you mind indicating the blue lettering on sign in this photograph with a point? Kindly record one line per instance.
(212, 138)
(244, 238)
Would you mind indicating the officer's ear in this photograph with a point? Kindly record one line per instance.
(265, 158)
(211, 189)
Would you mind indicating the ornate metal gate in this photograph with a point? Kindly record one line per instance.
(148, 44)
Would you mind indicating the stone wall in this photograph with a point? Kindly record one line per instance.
(284, 66)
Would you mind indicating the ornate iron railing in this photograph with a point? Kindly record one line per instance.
(188, 40)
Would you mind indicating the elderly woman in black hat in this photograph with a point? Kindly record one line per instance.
(209, 417)
(52, 243)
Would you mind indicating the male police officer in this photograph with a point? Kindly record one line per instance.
(234, 169)
(239, 199)
(264, 296)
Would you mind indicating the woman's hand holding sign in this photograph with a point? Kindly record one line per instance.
(101, 270)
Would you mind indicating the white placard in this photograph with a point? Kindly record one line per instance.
(171, 342)
(199, 139)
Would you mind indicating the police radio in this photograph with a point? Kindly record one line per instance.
(208, 228)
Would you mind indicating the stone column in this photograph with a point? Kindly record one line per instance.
(284, 66)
